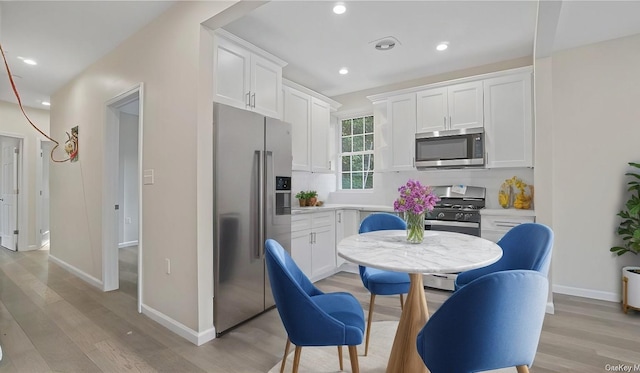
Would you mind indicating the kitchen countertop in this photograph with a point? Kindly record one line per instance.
(507, 212)
(333, 207)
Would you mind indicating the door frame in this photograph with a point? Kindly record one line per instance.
(21, 208)
(112, 107)
(40, 159)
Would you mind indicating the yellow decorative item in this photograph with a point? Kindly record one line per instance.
(504, 195)
(523, 198)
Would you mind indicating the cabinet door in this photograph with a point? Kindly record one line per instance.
(432, 110)
(297, 108)
(232, 70)
(319, 141)
(323, 261)
(301, 250)
(266, 83)
(401, 112)
(509, 123)
(347, 224)
(465, 105)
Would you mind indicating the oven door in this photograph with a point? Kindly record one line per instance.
(453, 226)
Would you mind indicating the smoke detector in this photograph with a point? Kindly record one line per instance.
(386, 43)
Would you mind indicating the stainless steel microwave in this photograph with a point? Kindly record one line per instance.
(450, 149)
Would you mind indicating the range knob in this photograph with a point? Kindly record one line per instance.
(467, 216)
(459, 216)
(441, 215)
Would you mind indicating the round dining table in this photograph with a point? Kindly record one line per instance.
(439, 252)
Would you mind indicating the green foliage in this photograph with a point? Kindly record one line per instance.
(306, 194)
(629, 228)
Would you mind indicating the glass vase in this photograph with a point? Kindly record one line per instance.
(415, 227)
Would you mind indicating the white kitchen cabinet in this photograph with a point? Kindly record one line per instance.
(400, 133)
(245, 76)
(313, 243)
(347, 224)
(493, 227)
(451, 107)
(310, 119)
(508, 121)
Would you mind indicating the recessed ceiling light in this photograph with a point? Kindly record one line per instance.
(344, 71)
(385, 45)
(46, 103)
(28, 61)
(442, 46)
(339, 8)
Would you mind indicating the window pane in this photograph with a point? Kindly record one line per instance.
(366, 159)
(346, 127)
(358, 143)
(371, 164)
(368, 142)
(346, 180)
(368, 124)
(368, 181)
(358, 126)
(356, 178)
(346, 163)
(356, 163)
(346, 144)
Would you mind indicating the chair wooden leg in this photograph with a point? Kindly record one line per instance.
(286, 352)
(296, 359)
(340, 356)
(401, 302)
(522, 369)
(353, 356)
(366, 343)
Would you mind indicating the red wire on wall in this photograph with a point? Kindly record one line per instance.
(15, 92)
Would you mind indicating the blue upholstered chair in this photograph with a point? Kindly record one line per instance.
(377, 281)
(311, 317)
(525, 246)
(494, 322)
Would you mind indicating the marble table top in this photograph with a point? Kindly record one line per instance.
(439, 252)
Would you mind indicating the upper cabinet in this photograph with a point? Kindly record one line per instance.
(452, 107)
(401, 117)
(309, 114)
(245, 76)
(508, 121)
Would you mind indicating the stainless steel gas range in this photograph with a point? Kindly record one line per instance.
(457, 211)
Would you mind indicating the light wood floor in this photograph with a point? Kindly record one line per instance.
(53, 321)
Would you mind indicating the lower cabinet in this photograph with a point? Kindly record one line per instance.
(313, 243)
(347, 224)
(493, 227)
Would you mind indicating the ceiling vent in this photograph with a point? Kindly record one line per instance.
(386, 43)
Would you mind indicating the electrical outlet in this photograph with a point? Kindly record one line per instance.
(168, 265)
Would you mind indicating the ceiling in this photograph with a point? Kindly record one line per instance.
(67, 36)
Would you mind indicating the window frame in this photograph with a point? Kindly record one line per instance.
(340, 153)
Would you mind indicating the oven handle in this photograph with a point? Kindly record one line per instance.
(445, 223)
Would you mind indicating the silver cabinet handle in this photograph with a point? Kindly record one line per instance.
(444, 120)
(247, 100)
(339, 217)
(253, 97)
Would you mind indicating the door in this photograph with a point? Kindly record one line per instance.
(238, 260)
(266, 79)
(323, 252)
(320, 120)
(402, 118)
(232, 66)
(9, 194)
(432, 110)
(297, 111)
(465, 106)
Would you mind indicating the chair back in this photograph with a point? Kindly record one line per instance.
(498, 320)
(527, 246)
(292, 292)
(381, 221)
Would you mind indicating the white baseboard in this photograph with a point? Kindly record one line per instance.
(349, 267)
(587, 293)
(179, 328)
(127, 244)
(83, 275)
(550, 308)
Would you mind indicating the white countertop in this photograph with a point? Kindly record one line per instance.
(440, 252)
(333, 207)
(507, 212)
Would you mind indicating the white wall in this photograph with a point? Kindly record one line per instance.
(12, 122)
(594, 132)
(128, 188)
(167, 56)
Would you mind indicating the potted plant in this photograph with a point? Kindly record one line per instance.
(629, 231)
(302, 198)
(312, 198)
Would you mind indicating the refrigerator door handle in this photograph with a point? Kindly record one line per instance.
(260, 230)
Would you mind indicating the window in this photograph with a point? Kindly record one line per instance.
(356, 153)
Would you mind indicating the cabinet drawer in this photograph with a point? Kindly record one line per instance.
(300, 222)
(504, 223)
(323, 219)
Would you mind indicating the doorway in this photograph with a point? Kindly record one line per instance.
(42, 193)
(10, 185)
(122, 202)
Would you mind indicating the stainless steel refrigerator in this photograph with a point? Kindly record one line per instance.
(252, 202)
